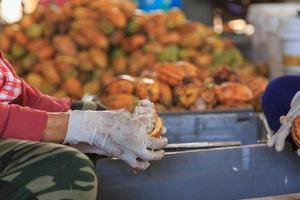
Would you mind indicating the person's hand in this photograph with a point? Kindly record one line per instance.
(119, 133)
(87, 148)
(278, 139)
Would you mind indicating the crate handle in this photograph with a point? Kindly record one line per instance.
(243, 117)
(263, 119)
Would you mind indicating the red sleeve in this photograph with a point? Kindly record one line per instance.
(33, 98)
(22, 122)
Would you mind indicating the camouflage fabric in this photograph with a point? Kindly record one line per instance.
(44, 171)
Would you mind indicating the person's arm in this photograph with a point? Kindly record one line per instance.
(113, 133)
(56, 127)
(17, 122)
(33, 98)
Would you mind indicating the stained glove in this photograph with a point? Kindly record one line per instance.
(278, 139)
(119, 133)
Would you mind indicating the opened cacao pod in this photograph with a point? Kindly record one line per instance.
(176, 73)
(121, 84)
(73, 87)
(147, 88)
(258, 85)
(120, 101)
(187, 94)
(228, 92)
(224, 74)
(208, 95)
(191, 71)
(157, 130)
(296, 130)
(165, 97)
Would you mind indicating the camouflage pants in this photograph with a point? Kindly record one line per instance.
(46, 171)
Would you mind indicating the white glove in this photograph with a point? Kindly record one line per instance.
(87, 148)
(278, 139)
(119, 133)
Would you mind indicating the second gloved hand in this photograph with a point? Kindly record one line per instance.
(118, 133)
(278, 139)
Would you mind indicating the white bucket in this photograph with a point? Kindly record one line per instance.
(265, 40)
(290, 40)
(292, 71)
(272, 47)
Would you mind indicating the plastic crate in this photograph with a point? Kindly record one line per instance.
(244, 126)
(222, 173)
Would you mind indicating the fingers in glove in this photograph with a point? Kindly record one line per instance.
(283, 119)
(156, 143)
(124, 154)
(296, 100)
(87, 148)
(112, 148)
(145, 111)
(147, 118)
(152, 155)
(284, 131)
(278, 139)
(144, 107)
(145, 103)
(293, 113)
(141, 165)
(119, 112)
(131, 159)
(163, 130)
(272, 140)
(298, 152)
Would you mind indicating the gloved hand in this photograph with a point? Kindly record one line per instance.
(278, 139)
(87, 148)
(119, 133)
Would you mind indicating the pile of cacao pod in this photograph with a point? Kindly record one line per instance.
(181, 86)
(82, 46)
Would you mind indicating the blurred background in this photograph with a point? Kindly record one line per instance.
(185, 55)
(226, 17)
